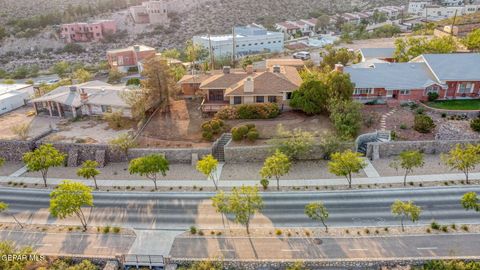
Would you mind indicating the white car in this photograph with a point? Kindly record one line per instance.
(301, 55)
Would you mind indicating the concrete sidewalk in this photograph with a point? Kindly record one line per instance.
(71, 244)
(236, 183)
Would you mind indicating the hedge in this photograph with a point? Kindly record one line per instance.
(249, 111)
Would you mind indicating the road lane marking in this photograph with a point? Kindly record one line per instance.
(290, 250)
(424, 248)
(358, 249)
(226, 250)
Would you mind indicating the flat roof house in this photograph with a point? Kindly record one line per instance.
(129, 58)
(90, 98)
(13, 96)
(87, 32)
(451, 76)
(385, 54)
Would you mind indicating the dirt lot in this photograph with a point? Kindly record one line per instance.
(90, 130)
(38, 124)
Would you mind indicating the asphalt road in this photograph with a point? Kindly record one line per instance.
(375, 247)
(181, 210)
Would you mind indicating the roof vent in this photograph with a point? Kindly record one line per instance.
(276, 69)
(73, 88)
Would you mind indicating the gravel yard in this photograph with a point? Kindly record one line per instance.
(433, 165)
(38, 124)
(119, 171)
(299, 170)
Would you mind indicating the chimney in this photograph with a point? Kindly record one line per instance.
(339, 68)
(226, 70)
(73, 88)
(250, 69)
(276, 69)
(136, 48)
(248, 85)
(83, 96)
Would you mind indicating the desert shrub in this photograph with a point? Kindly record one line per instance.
(249, 111)
(435, 226)
(475, 124)
(403, 126)
(116, 120)
(432, 96)
(211, 128)
(253, 135)
(21, 130)
(133, 81)
(264, 182)
(245, 132)
(420, 110)
(423, 123)
(193, 230)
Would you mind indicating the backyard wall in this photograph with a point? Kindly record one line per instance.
(378, 150)
(239, 154)
(468, 113)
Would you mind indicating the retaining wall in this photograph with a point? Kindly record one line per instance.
(239, 154)
(468, 113)
(378, 150)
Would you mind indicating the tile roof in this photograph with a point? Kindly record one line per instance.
(392, 76)
(453, 66)
(265, 83)
(223, 81)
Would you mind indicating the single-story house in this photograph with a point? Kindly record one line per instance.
(13, 96)
(90, 98)
(451, 76)
(385, 54)
(232, 87)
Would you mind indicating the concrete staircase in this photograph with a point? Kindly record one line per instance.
(218, 150)
(379, 136)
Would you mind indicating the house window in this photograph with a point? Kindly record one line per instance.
(405, 92)
(363, 91)
(465, 88)
(272, 99)
(106, 108)
(289, 95)
(432, 89)
(237, 100)
(259, 99)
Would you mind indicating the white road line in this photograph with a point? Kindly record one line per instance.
(358, 249)
(226, 250)
(427, 248)
(290, 250)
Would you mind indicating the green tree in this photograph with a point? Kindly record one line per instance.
(4, 208)
(149, 166)
(195, 52)
(322, 22)
(171, 53)
(340, 87)
(277, 165)
(115, 76)
(82, 75)
(61, 68)
(89, 170)
(406, 210)
(68, 199)
(346, 163)
(123, 144)
(318, 212)
(332, 56)
(208, 166)
(408, 160)
(346, 117)
(42, 159)
(470, 201)
(464, 159)
(243, 203)
(472, 40)
(311, 97)
(407, 49)
(8, 248)
(293, 143)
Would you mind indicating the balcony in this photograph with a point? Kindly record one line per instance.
(212, 106)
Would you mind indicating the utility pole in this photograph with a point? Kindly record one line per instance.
(233, 46)
(453, 22)
(212, 58)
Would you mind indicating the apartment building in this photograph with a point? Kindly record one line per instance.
(445, 10)
(248, 39)
(87, 32)
(301, 27)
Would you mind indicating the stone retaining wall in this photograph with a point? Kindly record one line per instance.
(239, 154)
(321, 264)
(468, 113)
(378, 150)
(14, 150)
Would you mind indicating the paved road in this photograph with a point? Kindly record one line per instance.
(91, 245)
(181, 210)
(329, 248)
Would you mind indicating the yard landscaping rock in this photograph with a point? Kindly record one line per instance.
(456, 130)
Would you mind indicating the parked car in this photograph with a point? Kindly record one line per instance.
(301, 55)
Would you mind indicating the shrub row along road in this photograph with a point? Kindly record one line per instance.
(181, 210)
